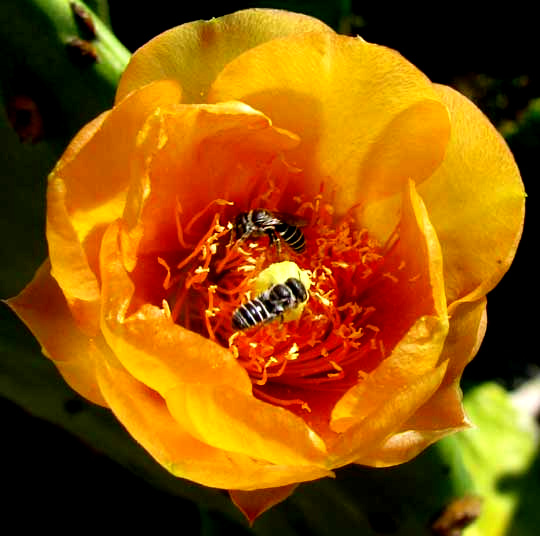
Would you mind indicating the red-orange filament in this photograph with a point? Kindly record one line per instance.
(321, 350)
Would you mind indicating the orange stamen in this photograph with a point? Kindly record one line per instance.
(326, 347)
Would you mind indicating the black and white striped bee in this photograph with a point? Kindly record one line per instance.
(271, 304)
(276, 225)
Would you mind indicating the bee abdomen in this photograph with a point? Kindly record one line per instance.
(250, 314)
(270, 304)
(292, 236)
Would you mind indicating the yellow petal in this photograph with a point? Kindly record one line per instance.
(420, 323)
(476, 202)
(43, 308)
(222, 416)
(149, 345)
(87, 190)
(253, 503)
(362, 111)
(146, 417)
(194, 53)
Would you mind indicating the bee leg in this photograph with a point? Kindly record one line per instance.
(232, 239)
(275, 241)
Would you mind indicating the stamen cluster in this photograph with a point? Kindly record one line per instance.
(325, 347)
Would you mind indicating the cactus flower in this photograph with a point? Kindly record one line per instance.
(411, 207)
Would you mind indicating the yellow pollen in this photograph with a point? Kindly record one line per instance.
(336, 367)
(293, 353)
(224, 202)
(166, 309)
(322, 299)
(390, 276)
(340, 264)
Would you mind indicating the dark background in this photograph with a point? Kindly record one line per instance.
(492, 57)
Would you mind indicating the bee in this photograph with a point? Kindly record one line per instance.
(276, 225)
(271, 304)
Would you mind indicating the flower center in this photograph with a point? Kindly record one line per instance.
(326, 348)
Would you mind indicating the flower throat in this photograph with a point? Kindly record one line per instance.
(327, 347)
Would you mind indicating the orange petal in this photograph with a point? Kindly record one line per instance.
(402, 447)
(43, 308)
(70, 264)
(96, 178)
(443, 413)
(253, 503)
(144, 413)
(203, 48)
(476, 202)
(224, 417)
(359, 440)
(362, 111)
(412, 284)
(417, 307)
(206, 152)
(468, 322)
(87, 190)
(149, 345)
(81, 139)
(415, 355)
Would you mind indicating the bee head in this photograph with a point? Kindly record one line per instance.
(297, 288)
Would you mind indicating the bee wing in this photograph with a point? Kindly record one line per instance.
(290, 219)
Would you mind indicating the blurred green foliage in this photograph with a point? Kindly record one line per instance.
(499, 453)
